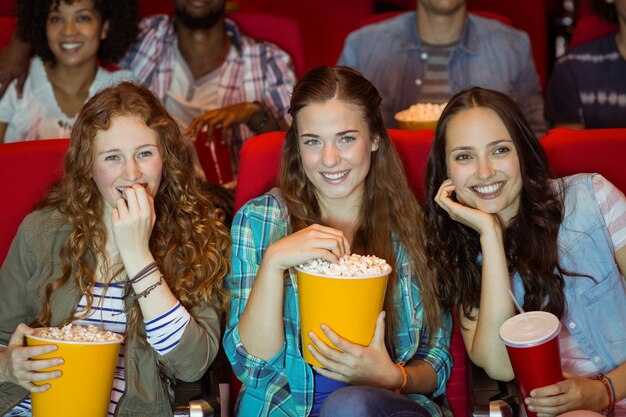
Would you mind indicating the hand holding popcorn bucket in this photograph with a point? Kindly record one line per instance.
(84, 388)
(348, 297)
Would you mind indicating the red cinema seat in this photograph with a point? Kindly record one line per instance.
(589, 150)
(589, 28)
(27, 170)
(7, 28)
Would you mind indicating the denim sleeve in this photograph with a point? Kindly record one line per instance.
(529, 90)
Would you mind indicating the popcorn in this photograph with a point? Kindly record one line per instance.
(348, 266)
(421, 112)
(76, 333)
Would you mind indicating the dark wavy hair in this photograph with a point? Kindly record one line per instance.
(454, 248)
(389, 208)
(604, 10)
(188, 239)
(122, 15)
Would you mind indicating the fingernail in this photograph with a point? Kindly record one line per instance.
(311, 335)
(531, 408)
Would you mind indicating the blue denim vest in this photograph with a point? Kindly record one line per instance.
(595, 311)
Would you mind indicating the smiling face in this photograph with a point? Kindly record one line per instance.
(483, 163)
(127, 153)
(336, 150)
(74, 32)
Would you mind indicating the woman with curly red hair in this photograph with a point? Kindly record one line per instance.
(126, 241)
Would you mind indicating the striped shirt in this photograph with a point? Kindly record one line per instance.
(436, 84)
(588, 85)
(107, 313)
(284, 385)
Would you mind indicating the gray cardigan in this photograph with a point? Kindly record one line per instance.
(35, 252)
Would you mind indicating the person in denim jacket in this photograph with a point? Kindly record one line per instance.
(428, 56)
(498, 221)
(341, 190)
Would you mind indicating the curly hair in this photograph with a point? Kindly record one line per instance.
(453, 248)
(604, 10)
(389, 208)
(188, 239)
(122, 15)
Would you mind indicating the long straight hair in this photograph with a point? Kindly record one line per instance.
(389, 209)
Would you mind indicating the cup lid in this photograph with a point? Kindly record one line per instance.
(534, 329)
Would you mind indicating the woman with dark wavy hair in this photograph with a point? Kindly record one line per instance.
(73, 41)
(126, 241)
(342, 189)
(498, 220)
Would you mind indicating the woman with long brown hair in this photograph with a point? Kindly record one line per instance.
(498, 220)
(126, 241)
(342, 189)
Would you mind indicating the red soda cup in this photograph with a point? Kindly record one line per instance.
(532, 343)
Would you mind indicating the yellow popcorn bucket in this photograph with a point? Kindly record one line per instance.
(84, 388)
(348, 305)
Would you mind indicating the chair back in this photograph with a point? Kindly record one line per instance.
(27, 170)
(591, 150)
(324, 23)
(589, 28)
(258, 167)
(7, 28)
(280, 30)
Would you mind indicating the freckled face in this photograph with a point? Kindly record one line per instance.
(483, 163)
(336, 149)
(127, 153)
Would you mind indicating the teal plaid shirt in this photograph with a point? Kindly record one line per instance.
(283, 385)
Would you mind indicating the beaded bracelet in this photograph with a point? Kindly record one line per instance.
(148, 290)
(405, 377)
(610, 391)
(147, 270)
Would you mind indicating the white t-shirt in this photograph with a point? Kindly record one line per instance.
(37, 115)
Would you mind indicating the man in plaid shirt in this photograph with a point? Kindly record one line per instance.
(209, 75)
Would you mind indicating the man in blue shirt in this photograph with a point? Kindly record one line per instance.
(429, 55)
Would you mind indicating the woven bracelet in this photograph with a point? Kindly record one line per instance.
(610, 391)
(147, 270)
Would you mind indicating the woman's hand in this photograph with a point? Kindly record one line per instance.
(476, 219)
(132, 223)
(312, 242)
(223, 117)
(17, 367)
(573, 393)
(356, 364)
